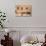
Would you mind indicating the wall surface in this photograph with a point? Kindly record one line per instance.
(38, 18)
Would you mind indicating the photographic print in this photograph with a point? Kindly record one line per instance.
(23, 10)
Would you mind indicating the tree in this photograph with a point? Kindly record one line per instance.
(2, 19)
